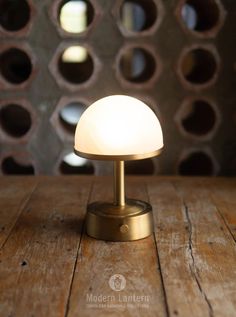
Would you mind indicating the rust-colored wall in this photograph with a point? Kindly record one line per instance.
(189, 82)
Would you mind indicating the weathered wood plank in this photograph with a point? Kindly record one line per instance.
(14, 194)
(40, 267)
(212, 249)
(99, 260)
(223, 195)
(171, 231)
(37, 261)
(197, 256)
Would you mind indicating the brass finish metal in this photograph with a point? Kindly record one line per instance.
(119, 183)
(128, 157)
(106, 221)
(122, 220)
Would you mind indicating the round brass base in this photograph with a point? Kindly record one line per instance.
(106, 221)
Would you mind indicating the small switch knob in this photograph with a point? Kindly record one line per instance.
(124, 228)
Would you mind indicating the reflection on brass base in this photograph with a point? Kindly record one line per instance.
(106, 221)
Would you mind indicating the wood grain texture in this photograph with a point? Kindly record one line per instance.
(14, 194)
(37, 261)
(223, 195)
(196, 251)
(213, 250)
(50, 267)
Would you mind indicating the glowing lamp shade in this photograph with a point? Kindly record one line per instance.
(118, 128)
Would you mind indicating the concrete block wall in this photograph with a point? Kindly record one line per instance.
(187, 76)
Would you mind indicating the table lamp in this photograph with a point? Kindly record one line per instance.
(118, 128)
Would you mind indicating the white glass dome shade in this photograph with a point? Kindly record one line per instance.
(118, 127)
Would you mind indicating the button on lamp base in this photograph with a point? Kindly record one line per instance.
(107, 221)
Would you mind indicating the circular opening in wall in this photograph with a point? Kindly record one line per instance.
(70, 115)
(76, 65)
(15, 14)
(196, 163)
(15, 65)
(198, 66)
(73, 164)
(199, 118)
(200, 15)
(140, 167)
(10, 165)
(75, 15)
(15, 120)
(137, 65)
(138, 15)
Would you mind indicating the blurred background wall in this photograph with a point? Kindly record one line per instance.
(57, 57)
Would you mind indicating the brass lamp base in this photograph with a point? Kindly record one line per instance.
(107, 221)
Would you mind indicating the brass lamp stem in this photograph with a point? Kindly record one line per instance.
(119, 183)
(120, 220)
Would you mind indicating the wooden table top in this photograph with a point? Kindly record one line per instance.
(50, 267)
